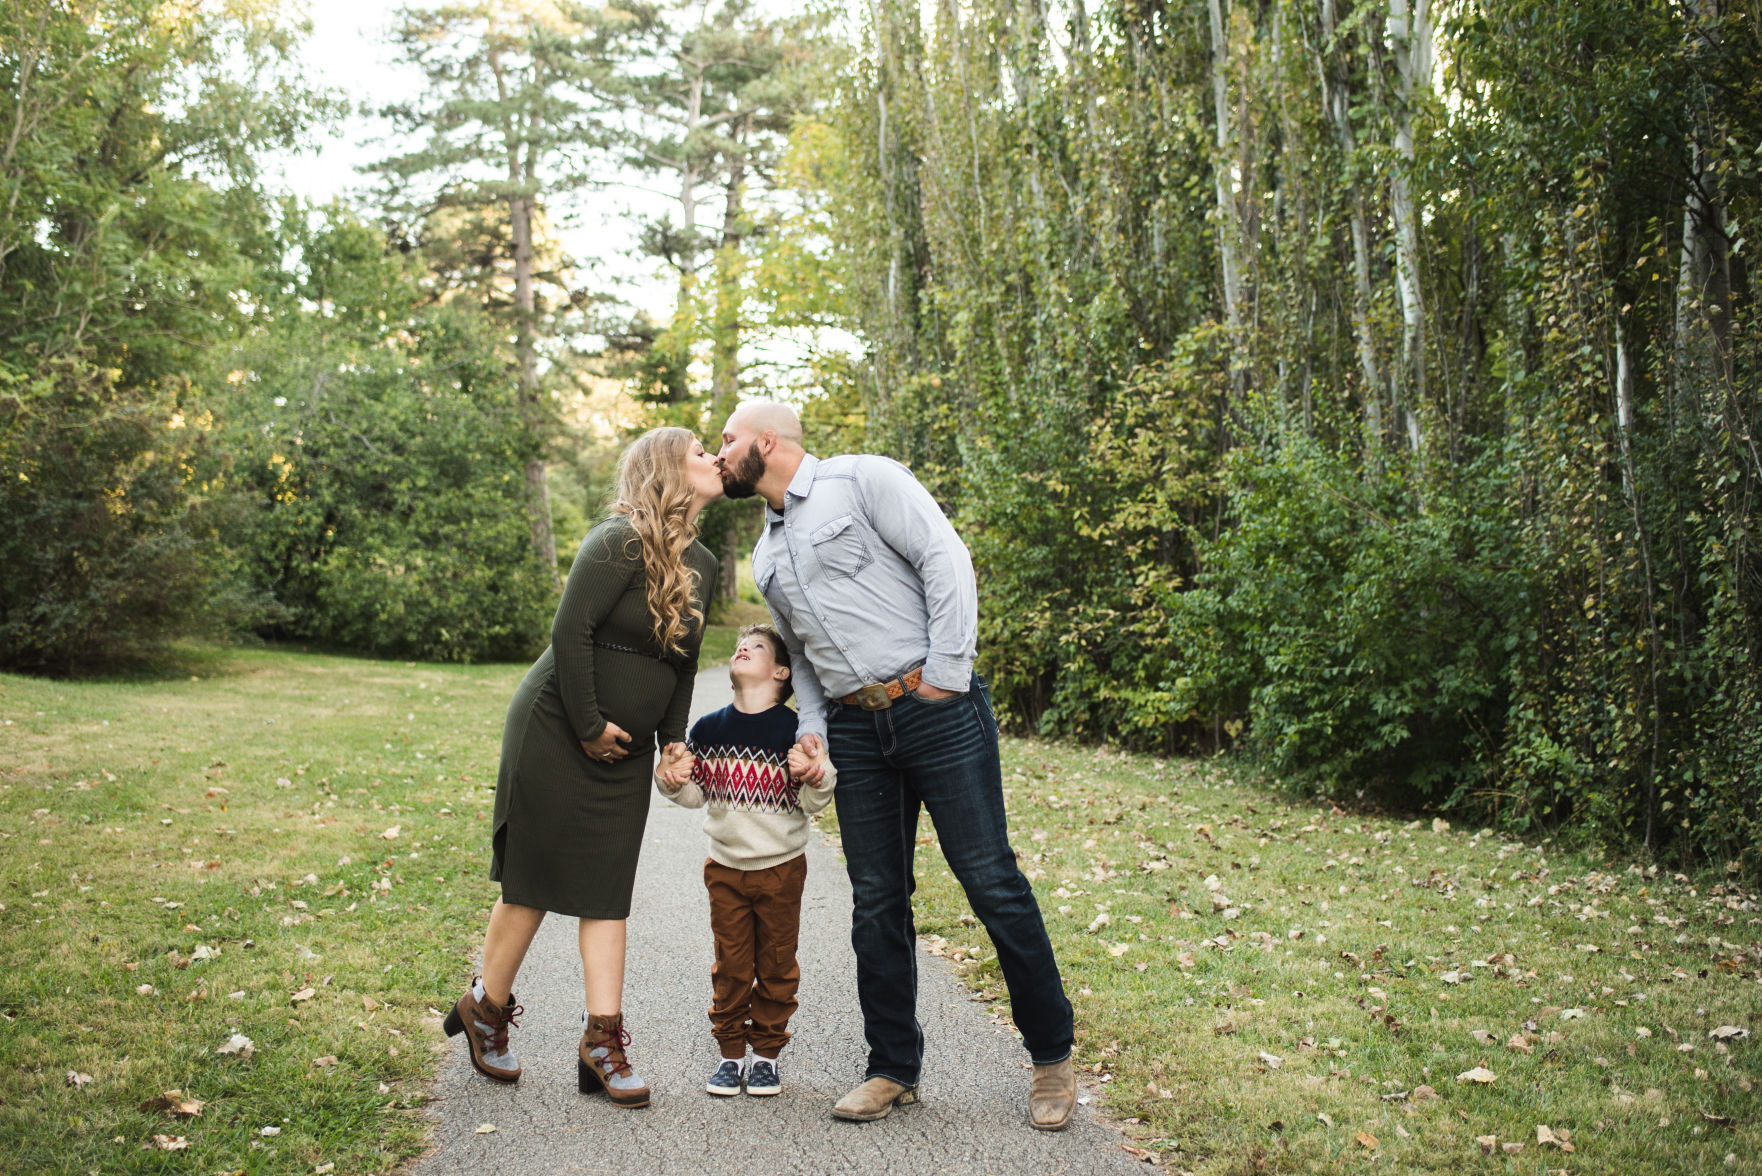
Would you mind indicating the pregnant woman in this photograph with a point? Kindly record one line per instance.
(572, 795)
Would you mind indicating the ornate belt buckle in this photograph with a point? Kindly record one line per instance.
(873, 697)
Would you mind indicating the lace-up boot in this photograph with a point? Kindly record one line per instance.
(603, 1065)
(485, 1025)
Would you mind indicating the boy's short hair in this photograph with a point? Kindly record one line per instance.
(779, 654)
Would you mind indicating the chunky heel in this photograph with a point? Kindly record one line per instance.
(587, 1079)
(453, 1024)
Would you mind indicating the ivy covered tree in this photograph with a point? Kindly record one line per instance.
(1369, 383)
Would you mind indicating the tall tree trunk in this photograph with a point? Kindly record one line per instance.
(725, 332)
(522, 182)
(1703, 289)
(1229, 216)
(1410, 34)
(1337, 98)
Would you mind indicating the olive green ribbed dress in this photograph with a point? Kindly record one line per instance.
(568, 829)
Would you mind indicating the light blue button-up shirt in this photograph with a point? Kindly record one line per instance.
(866, 580)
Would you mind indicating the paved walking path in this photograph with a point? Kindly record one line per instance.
(971, 1121)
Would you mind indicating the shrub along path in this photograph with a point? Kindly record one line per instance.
(972, 1119)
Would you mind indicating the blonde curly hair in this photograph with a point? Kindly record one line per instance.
(655, 496)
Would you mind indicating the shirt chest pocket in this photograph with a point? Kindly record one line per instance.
(841, 547)
(763, 573)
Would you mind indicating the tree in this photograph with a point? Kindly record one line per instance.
(372, 429)
(507, 125)
(129, 215)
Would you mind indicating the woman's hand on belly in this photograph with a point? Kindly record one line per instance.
(610, 747)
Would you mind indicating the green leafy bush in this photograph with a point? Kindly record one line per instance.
(105, 529)
(1364, 639)
(378, 439)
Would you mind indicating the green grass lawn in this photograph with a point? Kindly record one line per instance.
(281, 846)
(1264, 985)
(291, 848)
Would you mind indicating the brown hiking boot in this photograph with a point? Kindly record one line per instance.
(485, 1025)
(1052, 1099)
(873, 1100)
(603, 1066)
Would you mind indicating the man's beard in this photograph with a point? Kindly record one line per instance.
(743, 480)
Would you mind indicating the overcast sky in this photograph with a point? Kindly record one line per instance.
(350, 49)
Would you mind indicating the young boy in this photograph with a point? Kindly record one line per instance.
(742, 763)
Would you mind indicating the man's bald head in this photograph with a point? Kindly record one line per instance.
(761, 450)
(760, 416)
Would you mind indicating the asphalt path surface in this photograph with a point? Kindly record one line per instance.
(971, 1120)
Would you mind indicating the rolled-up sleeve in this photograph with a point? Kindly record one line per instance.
(907, 518)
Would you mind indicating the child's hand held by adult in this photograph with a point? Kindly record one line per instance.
(807, 761)
(677, 763)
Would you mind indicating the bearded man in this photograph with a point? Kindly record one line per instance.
(873, 593)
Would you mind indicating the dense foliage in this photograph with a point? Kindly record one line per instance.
(106, 543)
(382, 451)
(118, 260)
(1399, 420)
(219, 414)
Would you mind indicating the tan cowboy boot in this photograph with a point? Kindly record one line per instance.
(602, 1064)
(873, 1099)
(485, 1025)
(1052, 1099)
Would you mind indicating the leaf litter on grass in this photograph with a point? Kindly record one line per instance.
(236, 813)
(1346, 926)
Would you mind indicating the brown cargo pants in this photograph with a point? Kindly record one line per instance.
(755, 917)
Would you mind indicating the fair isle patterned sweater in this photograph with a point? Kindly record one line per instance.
(758, 816)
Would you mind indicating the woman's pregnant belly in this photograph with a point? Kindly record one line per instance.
(633, 692)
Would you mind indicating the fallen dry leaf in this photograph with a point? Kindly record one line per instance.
(1482, 1036)
(1728, 1033)
(1273, 1061)
(1488, 1143)
(1478, 1074)
(1366, 1140)
(304, 994)
(1511, 1149)
(1519, 1043)
(485, 1128)
(1561, 1139)
(392, 833)
(77, 1080)
(239, 1044)
(1422, 1092)
(326, 1060)
(173, 1102)
(170, 1142)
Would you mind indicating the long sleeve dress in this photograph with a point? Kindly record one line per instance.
(568, 829)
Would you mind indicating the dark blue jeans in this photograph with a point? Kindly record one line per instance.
(942, 756)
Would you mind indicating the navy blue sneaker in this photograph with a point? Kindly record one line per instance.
(762, 1077)
(726, 1079)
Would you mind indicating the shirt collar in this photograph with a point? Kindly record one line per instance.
(798, 486)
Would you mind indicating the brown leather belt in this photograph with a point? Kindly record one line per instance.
(880, 695)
